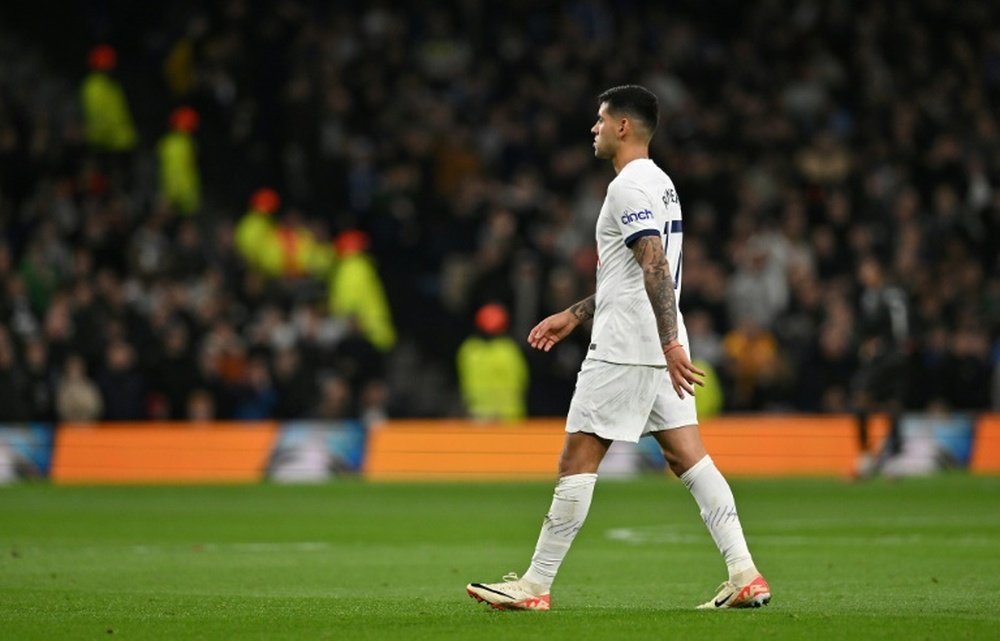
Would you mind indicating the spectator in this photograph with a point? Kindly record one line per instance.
(190, 258)
(77, 396)
(758, 291)
(18, 310)
(295, 385)
(830, 362)
(357, 360)
(40, 277)
(965, 368)
(257, 398)
(175, 372)
(12, 383)
(123, 388)
(334, 400)
(40, 381)
(754, 359)
(706, 344)
(200, 406)
(373, 408)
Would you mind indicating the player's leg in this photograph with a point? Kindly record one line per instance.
(686, 455)
(682, 447)
(881, 387)
(863, 404)
(687, 458)
(581, 456)
(610, 402)
(614, 401)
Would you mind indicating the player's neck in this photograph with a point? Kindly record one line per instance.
(628, 153)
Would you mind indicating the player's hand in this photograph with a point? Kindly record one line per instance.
(683, 375)
(552, 330)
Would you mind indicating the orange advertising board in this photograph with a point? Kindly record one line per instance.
(162, 452)
(986, 445)
(787, 445)
(757, 446)
(463, 449)
(772, 445)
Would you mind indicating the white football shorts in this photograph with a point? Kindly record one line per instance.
(623, 402)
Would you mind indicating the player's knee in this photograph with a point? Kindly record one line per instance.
(577, 464)
(676, 465)
(682, 461)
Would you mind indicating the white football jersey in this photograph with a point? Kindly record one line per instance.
(641, 201)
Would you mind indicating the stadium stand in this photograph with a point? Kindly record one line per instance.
(803, 137)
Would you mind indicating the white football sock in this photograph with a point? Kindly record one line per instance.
(570, 504)
(718, 510)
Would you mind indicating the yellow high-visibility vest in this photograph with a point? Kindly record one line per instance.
(356, 290)
(493, 378)
(180, 181)
(107, 119)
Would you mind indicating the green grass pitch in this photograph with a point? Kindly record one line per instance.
(914, 559)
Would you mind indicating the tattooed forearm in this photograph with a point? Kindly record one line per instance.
(584, 310)
(648, 252)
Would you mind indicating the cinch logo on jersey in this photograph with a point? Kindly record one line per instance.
(630, 217)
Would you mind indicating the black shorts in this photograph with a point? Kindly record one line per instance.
(882, 379)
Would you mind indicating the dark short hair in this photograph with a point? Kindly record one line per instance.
(635, 101)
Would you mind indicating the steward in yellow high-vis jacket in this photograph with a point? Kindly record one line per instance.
(107, 119)
(256, 228)
(492, 370)
(355, 289)
(180, 179)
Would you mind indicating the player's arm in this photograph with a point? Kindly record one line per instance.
(558, 326)
(659, 284)
(585, 309)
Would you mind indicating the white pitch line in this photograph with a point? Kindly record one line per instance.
(889, 521)
(255, 548)
(650, 535)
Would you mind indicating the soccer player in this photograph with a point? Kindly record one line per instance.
(638, 377)
(881, 381)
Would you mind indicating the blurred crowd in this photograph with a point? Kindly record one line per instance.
(830, 158)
